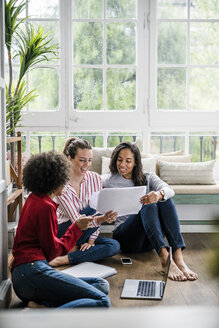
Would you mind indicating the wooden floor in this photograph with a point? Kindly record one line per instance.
(204, 291)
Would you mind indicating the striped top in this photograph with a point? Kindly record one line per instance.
(70, 204)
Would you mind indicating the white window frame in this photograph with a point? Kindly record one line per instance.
(175, 119)
(68, 119)
(145, 119)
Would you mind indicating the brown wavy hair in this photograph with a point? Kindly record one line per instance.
(138, 176)
(72, 145)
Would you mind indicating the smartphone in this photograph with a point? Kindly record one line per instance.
(126, 260)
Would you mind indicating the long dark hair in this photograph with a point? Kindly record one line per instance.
(138, 176)
(72, 145)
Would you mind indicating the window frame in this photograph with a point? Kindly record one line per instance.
(145, 119)
(177, 119)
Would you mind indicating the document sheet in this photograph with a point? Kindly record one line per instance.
(125, 201)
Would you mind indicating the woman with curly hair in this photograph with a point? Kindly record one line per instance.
(75, 200)
(36, 242)
(157, 218)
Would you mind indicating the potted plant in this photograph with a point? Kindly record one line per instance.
(31, 47)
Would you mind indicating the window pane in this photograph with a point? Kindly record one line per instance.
(115, 138)
(171, 43)
(87, 9)
(88, 89)
(23, 12)
(171, 89)
(121, 9)
(121, 43)
(15, 74)
(161, 143)
(95, 138)
(204, 9)
(53, 29)
(46, 83)
(46, 141)
(88, 43)
(204, 43)
(121, 89)
(43, 9)
(204, 148)
(204, 86)
(172, 9)
(23, 145)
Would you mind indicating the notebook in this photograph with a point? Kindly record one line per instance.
(147, 289)
(90, 269)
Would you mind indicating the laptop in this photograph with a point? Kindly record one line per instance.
(147, 289)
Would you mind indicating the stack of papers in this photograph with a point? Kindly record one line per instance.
(90, 269)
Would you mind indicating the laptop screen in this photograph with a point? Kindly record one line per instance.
(167, 267)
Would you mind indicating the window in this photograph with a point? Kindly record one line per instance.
(141, 70)
(187, 52)
(45, 79)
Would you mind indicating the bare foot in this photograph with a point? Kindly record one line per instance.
(190, 275)
(174, 272)
(60, 260)
(178, 259)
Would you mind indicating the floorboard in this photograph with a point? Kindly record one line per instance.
(204, 291)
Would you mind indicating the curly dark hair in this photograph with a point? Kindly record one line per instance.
(72, 145)
(138, 176)
(46, 172)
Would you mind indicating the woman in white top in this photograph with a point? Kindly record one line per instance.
(157, 218)
(75, 201)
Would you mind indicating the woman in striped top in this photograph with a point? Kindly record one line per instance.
(75, 201)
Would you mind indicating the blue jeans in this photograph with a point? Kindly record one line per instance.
(147, 230)
(38, 281)
(104, 247)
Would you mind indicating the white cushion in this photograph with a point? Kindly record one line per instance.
(97, 154)
(187, 173)
(177, 159)
(105, 165)
(174, 153)
(148, 165)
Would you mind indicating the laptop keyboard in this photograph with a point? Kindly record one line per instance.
(146, 288)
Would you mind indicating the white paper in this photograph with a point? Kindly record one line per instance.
(90, 269)
(125, 201)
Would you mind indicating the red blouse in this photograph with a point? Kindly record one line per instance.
(37, 229)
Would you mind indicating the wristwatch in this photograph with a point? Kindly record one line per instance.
(162, 194)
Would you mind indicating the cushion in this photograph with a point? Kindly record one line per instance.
(148, 164)
(97, 154)
(177, 159)
(174, 153)
(187, 173)
(105, 165)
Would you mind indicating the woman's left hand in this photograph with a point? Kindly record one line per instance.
(151, 198)
(87, 245)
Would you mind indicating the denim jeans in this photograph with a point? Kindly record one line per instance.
(147, 230)
(39, 282)
(104, 247)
